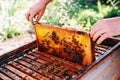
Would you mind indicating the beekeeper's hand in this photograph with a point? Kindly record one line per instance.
(105, 28)
(37, 10)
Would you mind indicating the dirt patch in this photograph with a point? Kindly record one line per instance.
(11, 44)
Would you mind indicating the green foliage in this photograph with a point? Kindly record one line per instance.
(112, 13)
(94, 2)
(80, 13)
(9, 32)
(56, 14)
(12, 17)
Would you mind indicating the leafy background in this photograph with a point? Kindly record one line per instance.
(77, 14)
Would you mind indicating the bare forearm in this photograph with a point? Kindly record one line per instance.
(115, 19)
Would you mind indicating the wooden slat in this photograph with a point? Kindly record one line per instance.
(62, 65)
(105, 68)
(36, 59)
(50, 59)
(10, 74)
(4, 77)
(39, 70)
(68, 63)
(56, 70)
(107, 71)
(19, 51)
(28, 71)
(23, 75)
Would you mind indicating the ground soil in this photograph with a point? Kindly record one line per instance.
(11, 44)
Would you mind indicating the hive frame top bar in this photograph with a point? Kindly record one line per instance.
(34, 23)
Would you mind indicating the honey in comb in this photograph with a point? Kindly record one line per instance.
(72, 45)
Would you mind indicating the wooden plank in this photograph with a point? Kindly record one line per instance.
(4, 77)
(23, 75)
(57, 67)
(63, 63)
(109, 72)
(104, 68)
(28, 71)
(35, 58)
(70, 64)
(49, 59)
(10, 74)
(19, 51)
(39, 70)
